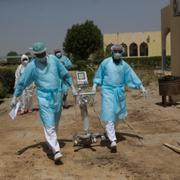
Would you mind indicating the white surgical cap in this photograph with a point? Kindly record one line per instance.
(117, 47)
(24, 57)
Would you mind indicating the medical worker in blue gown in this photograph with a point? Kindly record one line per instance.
(67, 64)
(113, 75)
(47, 73)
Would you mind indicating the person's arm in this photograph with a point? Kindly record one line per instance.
(131, 78)
(25, 80)
(133, 81)
(68, 63)
(66, 77)
(17, 75)
(98, 78)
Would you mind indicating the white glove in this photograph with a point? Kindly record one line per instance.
(74, 92)
(13, 102)
(143, 91)
(94, 88)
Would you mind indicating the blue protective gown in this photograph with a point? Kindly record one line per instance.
(47, 79)
(67, 64)
(113, 78)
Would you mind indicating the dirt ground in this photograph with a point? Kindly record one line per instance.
(24, 153)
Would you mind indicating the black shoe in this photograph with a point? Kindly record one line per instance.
(113, 147)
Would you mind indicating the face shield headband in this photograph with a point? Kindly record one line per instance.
(41, 55)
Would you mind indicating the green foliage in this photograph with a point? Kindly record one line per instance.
(3, 91)
(147, 76)
(108, 49)
(7, 78)
(90, 75)
(96, 57)
(12, 58)
(147, 62)
(88, 67)
(80, 65)
(82, 40)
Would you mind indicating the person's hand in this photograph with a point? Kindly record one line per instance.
(13, 102)
(74, 91)
(143, 91)
(94, 88)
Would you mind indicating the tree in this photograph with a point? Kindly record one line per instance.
(13, 58)
(28, 54)
(82, 40)
(108, 49)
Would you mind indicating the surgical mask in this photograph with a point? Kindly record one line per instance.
(25, 62)
(42, 60)
(58, 55)
(41, 57)
(117, 56)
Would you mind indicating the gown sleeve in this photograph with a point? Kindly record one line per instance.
(131, 79)
(98, 79)
(64, 74)
(67, 63)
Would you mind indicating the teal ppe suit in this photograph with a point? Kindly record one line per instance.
(113, 78)
(47, 78)
(67, 64)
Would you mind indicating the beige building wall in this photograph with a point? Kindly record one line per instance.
(153, 40)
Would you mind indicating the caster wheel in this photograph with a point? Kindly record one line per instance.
(94, 140)
(103, 138)
(75, 142)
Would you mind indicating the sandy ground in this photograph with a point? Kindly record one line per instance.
(24, 154)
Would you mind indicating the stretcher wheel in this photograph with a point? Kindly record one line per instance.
(94, 140)
(75, 142)
(103, 138)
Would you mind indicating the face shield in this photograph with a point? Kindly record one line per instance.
(41, 56)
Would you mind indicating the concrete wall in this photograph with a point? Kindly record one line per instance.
(171, 23)
(175, 40)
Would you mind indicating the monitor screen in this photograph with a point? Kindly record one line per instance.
(81, 76)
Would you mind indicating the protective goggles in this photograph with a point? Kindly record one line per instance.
(25, 59)
(118, 51)
(41, 55)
